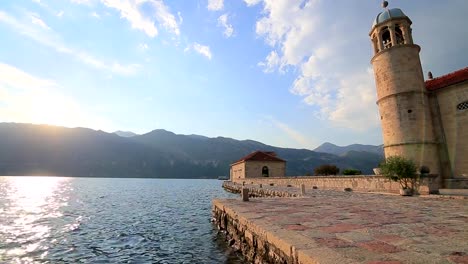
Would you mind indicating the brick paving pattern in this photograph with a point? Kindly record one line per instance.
(363, 227)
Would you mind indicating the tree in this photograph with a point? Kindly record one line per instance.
(401, 170)
(326, 169)
(352, 172)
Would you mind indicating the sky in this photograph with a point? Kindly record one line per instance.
(288, 73)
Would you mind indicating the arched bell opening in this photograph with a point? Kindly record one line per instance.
(399, 35)
(386, 38)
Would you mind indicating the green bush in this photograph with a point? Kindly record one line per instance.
(401, 170)
(326, 169)
(352, 172)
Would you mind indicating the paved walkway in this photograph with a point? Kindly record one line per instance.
(347, 227)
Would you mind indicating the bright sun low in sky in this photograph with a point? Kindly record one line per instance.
(290, 73)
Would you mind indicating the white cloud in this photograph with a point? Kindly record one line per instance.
(201, 49)
(272, 62)
(95, 15)
(215, 5)
(131, 10)
(81, 1)
(50, 39)
(291, 133)
(40, 3)
(252, 2)
(289, 25)
(228, 28)
(36, 20)
(13, 77)
(143, 47)
(181, 19)
(29, 99)
(60, 13)
(127, 70)
(338, 90)
(165, 17)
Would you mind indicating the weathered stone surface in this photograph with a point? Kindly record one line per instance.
(346, 227)
(360, 183)
(254, 191)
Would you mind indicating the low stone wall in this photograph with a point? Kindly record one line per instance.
(257, 191)
(456, 183)
(249, 239)
(362, 183)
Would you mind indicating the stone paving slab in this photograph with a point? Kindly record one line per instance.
(346, 227)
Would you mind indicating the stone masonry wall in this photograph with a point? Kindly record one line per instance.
(238, 171)
(404, 108)
(253, 169)
(455, 126)
(428, 184)
(251, 240)
(258, 191)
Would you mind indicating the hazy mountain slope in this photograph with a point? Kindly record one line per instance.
(221, 152)
(124, 133)
(48, 150)
(339, 150)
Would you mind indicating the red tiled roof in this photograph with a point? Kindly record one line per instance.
(260, 156)
(447, 80)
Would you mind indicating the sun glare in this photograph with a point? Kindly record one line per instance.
(54, 110)
(28, 200)
(48, 106)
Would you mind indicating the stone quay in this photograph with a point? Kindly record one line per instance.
(330, 226)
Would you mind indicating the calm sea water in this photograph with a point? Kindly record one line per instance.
(86, 220)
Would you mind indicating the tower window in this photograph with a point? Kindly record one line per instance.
(410, 111)
(386, 39)
(462, 106)
(399, 35)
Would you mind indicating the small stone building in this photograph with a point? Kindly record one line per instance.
(258, 164)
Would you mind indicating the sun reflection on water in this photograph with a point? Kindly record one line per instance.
(30, 203)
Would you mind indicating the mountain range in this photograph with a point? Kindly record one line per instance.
(340, 151)
(125, 133)
(28, 149)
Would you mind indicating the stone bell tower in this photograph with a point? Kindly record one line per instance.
(401, 94)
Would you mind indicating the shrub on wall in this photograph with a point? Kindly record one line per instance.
(401, 170)
(352, 172)
(326, 169)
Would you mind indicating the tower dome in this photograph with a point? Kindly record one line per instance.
(391, 28)
(388, 14)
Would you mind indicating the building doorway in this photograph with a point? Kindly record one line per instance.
(265, 171)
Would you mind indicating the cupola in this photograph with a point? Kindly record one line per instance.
(391, 28)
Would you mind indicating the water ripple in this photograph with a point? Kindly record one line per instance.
(82, 220)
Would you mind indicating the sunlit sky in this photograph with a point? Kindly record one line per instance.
(291, 73)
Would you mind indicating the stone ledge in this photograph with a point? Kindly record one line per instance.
(346, 227)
